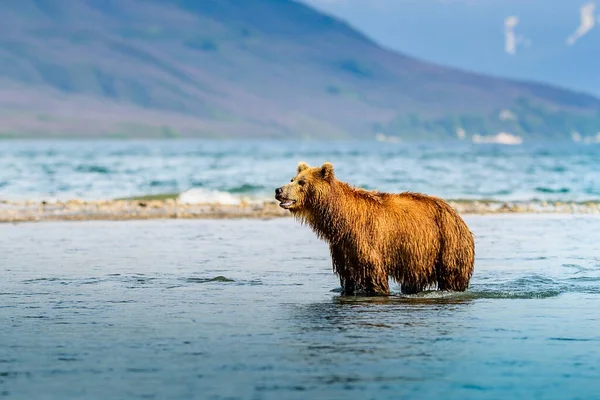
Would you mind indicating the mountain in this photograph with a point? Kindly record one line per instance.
(557, 44)
(246, 68)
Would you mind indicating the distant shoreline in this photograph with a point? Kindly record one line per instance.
(145, 208)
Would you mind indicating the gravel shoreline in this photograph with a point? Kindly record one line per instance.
(120, 210)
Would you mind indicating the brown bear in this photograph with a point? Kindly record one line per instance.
(417, 240)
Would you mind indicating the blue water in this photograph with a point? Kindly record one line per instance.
(244, 309)
(101, 170)
(248, 309)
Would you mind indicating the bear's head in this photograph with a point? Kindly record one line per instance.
(309, 185)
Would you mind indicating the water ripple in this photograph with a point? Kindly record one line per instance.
(42, 170)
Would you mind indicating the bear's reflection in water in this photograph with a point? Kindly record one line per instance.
(362, 343)
(351, 312)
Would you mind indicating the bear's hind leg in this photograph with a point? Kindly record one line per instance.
(453, 284)
(452, 278)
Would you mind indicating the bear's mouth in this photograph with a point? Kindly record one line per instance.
(286, 203)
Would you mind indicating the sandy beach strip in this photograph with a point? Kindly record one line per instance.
(82, 210)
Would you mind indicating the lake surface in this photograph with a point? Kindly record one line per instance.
(225, 171)
(241, 309)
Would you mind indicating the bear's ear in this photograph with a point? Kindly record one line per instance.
(327, 171)
(302, 166)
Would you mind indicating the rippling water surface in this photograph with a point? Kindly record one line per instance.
(245, 310)
(99, 170)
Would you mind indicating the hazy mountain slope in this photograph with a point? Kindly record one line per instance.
(244, 68)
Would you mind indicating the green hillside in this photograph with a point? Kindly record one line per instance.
(244, 68)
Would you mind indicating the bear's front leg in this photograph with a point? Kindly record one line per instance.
(356, 278)
(368, 287)
(340, 267)
(376, 285)
(363, 288)
(373, 275)
(348, 286)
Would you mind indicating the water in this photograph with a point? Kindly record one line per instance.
(243, 309)
(226, 171)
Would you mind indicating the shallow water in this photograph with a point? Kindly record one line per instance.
(243, 309)
(42, 170)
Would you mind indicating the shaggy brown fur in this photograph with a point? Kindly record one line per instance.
(417, 240)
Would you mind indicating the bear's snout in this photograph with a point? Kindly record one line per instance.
(285, 202)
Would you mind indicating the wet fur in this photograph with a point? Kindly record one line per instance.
(417, 240)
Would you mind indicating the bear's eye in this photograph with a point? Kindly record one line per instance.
(292, 180)
(301, 183)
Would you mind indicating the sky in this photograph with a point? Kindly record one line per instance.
(553, 41)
